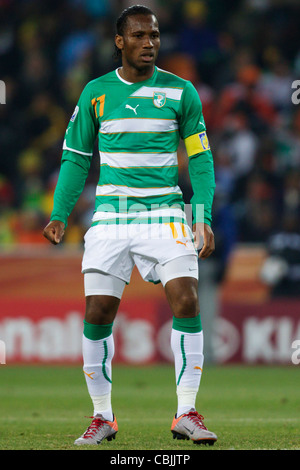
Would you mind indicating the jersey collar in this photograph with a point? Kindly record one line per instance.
(134, 83)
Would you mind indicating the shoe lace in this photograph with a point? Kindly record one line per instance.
(93, 427)
(196, 418)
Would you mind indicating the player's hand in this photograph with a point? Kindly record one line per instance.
(204, 239)
(54, 231)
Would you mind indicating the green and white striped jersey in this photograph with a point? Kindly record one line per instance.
(139, 126)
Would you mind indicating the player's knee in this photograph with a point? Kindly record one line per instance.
(187, 305)
(101, 309)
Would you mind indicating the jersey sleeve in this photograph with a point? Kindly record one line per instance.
(70, 184)
(190, 115)
(82, 129)
(76, 158)
(201, 168)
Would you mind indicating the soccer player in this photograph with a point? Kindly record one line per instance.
(139, 112)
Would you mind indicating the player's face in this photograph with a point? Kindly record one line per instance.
(140, 42)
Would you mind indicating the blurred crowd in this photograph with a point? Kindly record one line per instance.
(242, 57)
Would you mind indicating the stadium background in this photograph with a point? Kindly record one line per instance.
(243, 57)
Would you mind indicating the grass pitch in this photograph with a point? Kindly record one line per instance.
(249, 408)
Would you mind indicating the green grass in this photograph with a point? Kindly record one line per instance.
(249, 408)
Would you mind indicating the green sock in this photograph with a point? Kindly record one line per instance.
(188, 325)
(96, 332)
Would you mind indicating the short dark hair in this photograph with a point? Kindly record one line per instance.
(122, 21)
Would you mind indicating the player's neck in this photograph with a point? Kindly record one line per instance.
(133, 75)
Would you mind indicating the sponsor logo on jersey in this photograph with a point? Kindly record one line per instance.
(159, 99)
(132, 109)
(73, 117)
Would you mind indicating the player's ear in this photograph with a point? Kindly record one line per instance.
(119, 41)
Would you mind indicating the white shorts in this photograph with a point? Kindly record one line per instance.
(115, 248)
(98, 283)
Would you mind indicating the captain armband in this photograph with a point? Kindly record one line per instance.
(196, 143)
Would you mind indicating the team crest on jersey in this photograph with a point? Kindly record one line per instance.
(159, 99)
(73, 117)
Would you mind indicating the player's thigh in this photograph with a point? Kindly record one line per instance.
(106, 250)
(103, 294)
(180, 280)
(182, 295)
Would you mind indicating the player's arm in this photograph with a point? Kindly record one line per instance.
(201, 168)
(76, 159)
(70, 184)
